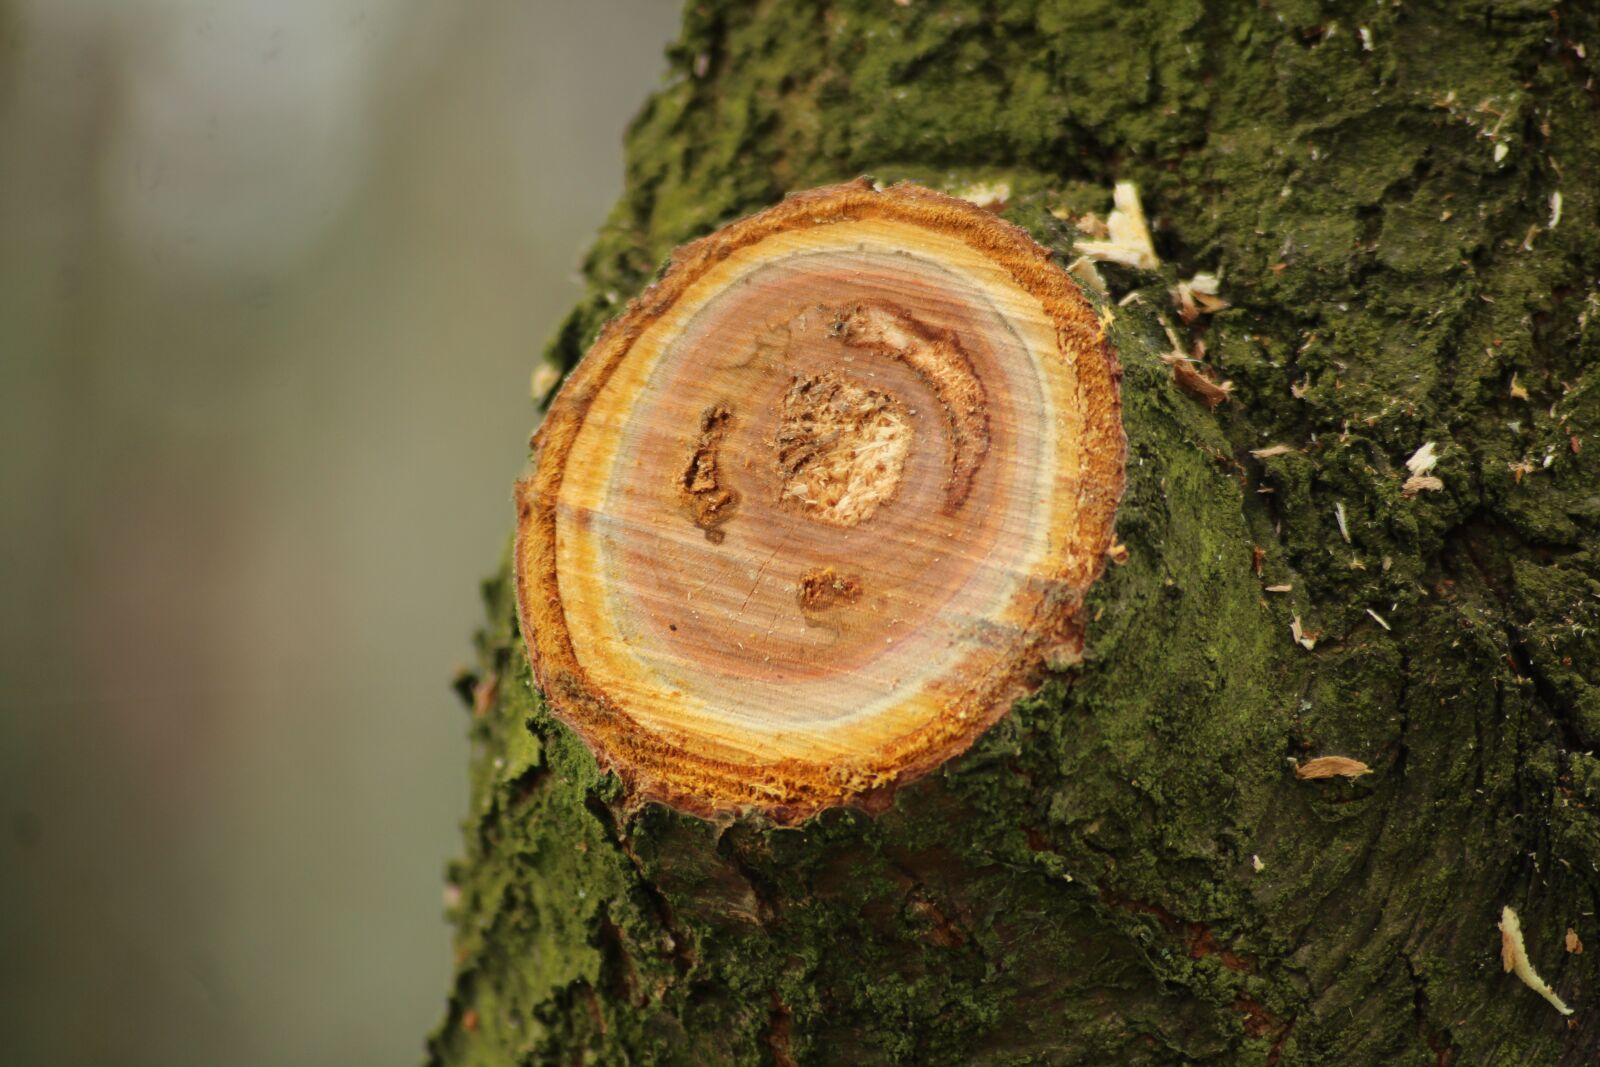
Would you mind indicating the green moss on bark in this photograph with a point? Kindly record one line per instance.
(1375, 183)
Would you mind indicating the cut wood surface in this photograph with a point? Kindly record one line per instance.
(820, 505)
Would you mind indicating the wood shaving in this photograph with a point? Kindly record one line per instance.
(991, 196)
(1270, 451)
(1198, 296)
(1423, 459)
(1086, 274)
(1518, 391)
(1279, 588)
(1306, 640)
(1331, 767)
(1380, 619)
(1196, 384)
(1421, 464)
(1574, 945)
(1183, 299)
(1129, 242)
(1344, 528)
(1090, 225)
(1514, 957)
(1255, 862)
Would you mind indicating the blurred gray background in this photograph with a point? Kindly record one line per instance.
(273, 277)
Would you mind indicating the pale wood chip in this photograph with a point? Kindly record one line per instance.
(1418, 483)
(1087, 274)
(1574, 945)
(1198, 296)
(1129, 235)
(1279, 588)
(1422, 460)
(1090, 225)
(991, 196)
(1514, 957)
(1307, 640)
(1518, 391)
(1183, 299)
(1331, 767)
(1270, 451)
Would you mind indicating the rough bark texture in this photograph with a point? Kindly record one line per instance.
(1127, 869)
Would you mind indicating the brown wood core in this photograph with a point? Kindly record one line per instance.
(820, 504)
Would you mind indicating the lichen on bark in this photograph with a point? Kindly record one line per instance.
(1376, 185)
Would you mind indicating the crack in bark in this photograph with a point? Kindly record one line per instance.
(679, 944)
(1436, 1038)
(776, 1036)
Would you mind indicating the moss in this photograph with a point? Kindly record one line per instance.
(1081, 887)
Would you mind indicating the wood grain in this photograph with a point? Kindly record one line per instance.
(818, 507)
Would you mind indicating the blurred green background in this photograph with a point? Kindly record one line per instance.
(273, 277)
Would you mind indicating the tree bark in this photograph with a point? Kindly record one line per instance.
(1402, 204)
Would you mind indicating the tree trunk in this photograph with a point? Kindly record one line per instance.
(1142, 863)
